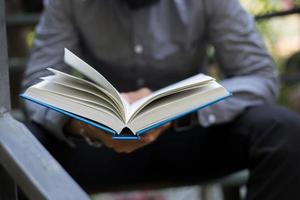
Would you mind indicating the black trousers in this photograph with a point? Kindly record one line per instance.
(264, 139)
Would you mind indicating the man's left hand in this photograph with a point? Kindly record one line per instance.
(133, 96)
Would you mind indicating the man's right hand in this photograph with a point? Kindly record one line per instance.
(81, 129)
(120, 146)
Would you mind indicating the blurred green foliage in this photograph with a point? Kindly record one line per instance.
(257, 7)
(272, 34)
(30, 37)
(260, 7)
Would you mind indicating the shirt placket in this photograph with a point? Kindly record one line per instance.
(138, 47)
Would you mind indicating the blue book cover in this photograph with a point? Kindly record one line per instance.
(111, 131)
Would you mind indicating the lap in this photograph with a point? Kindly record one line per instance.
(186, 157)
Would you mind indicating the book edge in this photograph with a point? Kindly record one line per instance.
(96, 125)
(145, 130)
(114, 133)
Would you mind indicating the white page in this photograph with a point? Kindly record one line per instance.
(79, 86)
(104, 117)
(176, 104)
(76, 94)
(194, 81)
(84, 68)
(101, 89)
(82, 85)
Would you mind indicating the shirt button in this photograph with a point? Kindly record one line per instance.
(140, 82)
(211, 118)
(138, 49)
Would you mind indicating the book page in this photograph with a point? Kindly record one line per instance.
(77, 94)
(176, 105)
(189, 83)
(79, 86)
(88, 71)
(79, 108)
(98, 90)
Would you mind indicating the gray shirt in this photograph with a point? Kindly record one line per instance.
(153, 47)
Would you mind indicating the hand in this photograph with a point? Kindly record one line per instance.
(120, 146)
(128, 146)
(133, 96)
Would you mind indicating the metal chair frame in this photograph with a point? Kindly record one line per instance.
(24, 162)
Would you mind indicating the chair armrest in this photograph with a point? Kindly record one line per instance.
(31, 166)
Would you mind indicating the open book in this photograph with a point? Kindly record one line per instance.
(95, 101)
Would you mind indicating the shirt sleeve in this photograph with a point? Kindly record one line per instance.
(249, 72)
(54, 32)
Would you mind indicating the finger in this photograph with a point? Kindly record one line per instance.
(126, 96)
(132, 97)
(144, 91)
(160, 129)
(116, 145)
(125, 146)
(152, 135)
(128, 146)
(138, 94)
(166, 126)
(105, 138)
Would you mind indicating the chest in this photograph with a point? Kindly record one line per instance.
(174, 28)
(155, 46)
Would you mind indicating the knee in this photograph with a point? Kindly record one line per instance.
(270, 116)
(276, 131)
(288, 131)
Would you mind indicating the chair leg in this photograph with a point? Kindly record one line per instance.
(8, 188)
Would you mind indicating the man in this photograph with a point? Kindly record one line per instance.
(143, 45)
